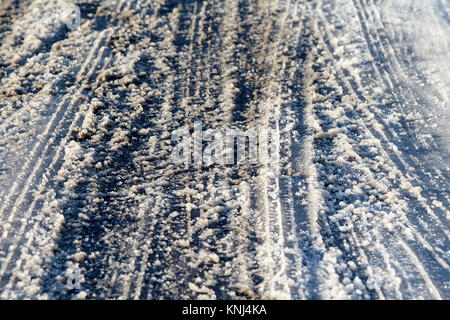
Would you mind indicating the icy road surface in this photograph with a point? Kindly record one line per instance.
(354, 95)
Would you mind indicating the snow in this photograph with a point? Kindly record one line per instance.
(344, 195)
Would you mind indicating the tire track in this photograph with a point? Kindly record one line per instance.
(41, 163)
(385, 236)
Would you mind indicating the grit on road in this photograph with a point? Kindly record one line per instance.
(352, 94)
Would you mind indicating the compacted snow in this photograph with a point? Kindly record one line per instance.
(120, 177)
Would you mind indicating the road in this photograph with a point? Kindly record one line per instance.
(345, 194)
